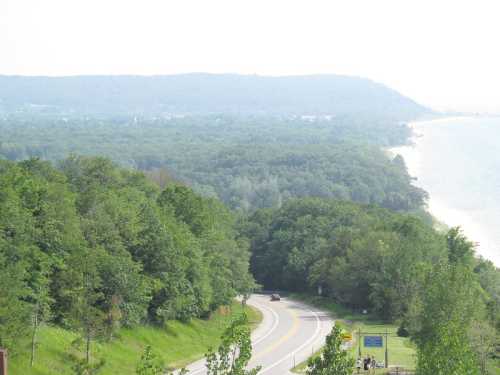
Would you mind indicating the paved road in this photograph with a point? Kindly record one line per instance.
(290, 331)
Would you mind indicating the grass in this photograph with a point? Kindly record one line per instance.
(401, 350)
(177, 343)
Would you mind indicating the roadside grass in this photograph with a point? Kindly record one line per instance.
(178, 344)
(401, 350)
(494, 367)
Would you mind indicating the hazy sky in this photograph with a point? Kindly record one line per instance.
(442, 53)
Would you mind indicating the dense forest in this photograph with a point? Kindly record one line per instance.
(392, 264)
(93, 247)
(247, 162)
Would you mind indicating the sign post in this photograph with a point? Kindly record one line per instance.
(386, 349)
(3, 361)
(374, 340)
(359, 343)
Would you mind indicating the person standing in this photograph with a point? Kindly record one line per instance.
(373, 364)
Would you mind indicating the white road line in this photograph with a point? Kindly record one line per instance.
(308, 342)
(274, 326)
(260, 339)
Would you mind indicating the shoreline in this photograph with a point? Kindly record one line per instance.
(436, 206)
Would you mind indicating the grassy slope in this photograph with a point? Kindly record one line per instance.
(401, 351)
(177, 343)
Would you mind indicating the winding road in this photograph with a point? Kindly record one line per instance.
(289, 332)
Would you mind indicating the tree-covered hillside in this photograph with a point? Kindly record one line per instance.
(92, 247)
(205, 93)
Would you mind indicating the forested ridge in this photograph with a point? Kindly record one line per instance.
(201, 93)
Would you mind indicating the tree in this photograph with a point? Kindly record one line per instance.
(15, 244)
(83, 288)
(449, 305)
(39, 296)
(334, 359)
(483, 338)
(150, 363)
(14, 311)
(460, 249)
(234, 352)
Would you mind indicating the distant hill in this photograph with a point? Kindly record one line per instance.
(201, 93)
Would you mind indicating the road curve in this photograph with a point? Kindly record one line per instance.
(289, 332)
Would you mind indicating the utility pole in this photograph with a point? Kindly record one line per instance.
(386, 349)
(359, 342)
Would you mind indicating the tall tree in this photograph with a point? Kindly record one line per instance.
(448, 308)
(83, 288)
(39, 295)
(14, 311)
(333, 359)
(15, 244)
(234, 352)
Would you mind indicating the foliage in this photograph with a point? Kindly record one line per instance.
(331, 157)
(450, 302)
(392, 264)
(334, 359)
(93, 247)
(96, 248)
(82, 367)
(401, 350)
(449, 305)
(234, 352)
(483, 341)
(14, 312)
(177, 344)
(150, 363)
(363, 256)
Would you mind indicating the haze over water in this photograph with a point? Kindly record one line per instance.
(457, 160)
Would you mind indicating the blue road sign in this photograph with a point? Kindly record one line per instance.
(373, 341)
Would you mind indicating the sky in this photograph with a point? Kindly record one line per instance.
(444, 54)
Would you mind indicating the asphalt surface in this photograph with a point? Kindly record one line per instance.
(289, 332)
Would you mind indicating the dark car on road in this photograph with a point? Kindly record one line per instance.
(275, 297)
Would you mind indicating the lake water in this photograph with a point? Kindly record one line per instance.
(457, 161)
